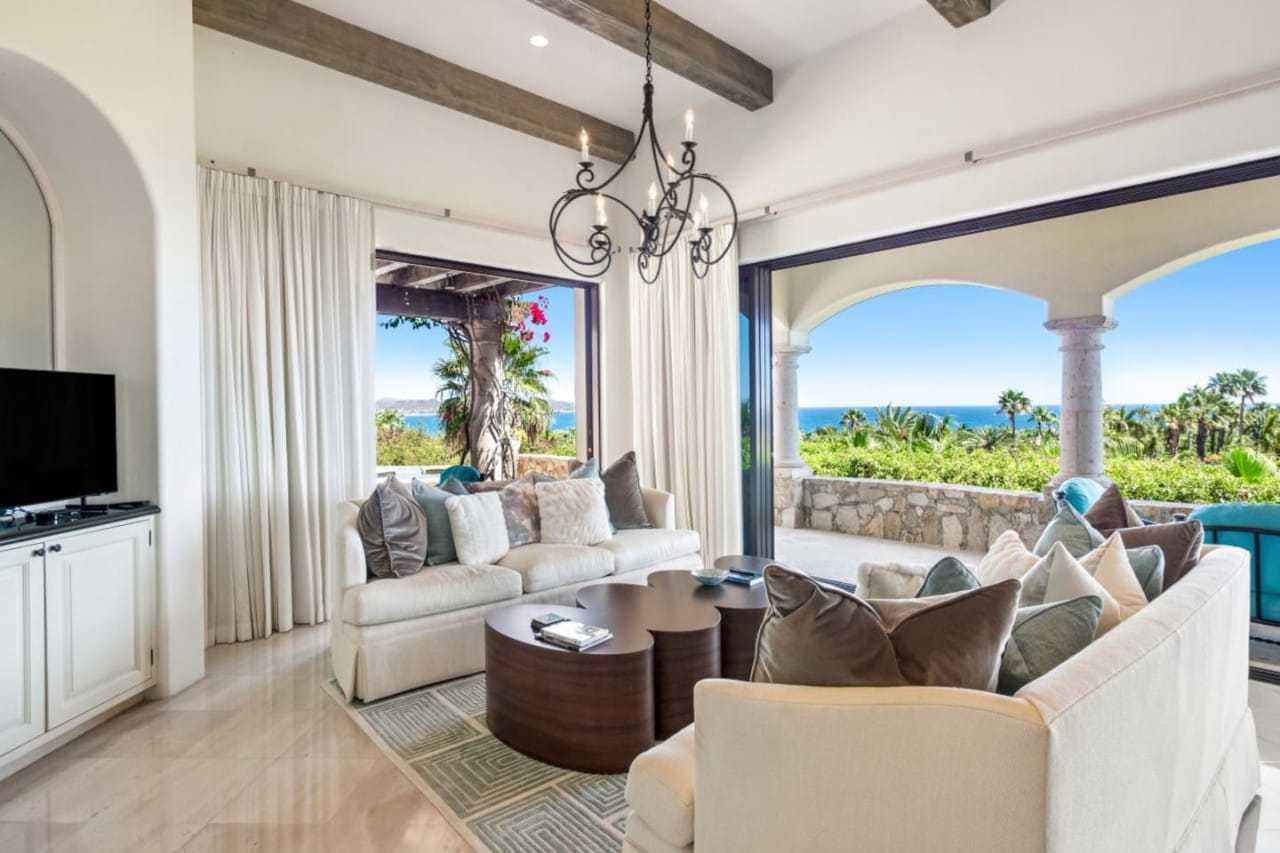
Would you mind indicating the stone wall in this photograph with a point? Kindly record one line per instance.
(553, 466)
(965, 518)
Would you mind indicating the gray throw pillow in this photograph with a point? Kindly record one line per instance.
(944, 641)
(622, 494)
(393, 529)
(1044, 636)
(1147, 563)
(440, 548)
(948, 575)
(1069, 528)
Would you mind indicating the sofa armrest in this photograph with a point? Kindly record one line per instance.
(660, 507)
(349, 564)
(899, 769)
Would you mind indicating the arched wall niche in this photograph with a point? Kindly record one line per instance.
(103, 249)
(26, 256)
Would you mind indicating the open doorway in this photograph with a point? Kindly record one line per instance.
(492, 368)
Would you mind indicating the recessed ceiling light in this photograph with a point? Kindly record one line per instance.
(539, 41)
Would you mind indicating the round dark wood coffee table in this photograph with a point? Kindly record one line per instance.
(595, 711)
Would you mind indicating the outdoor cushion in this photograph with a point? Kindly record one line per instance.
(1008, 558)
(948, 575)
(890, 579)
(638, 549)
(439, 589)
(1045, 636)
(1110, 567)
(1081, 492)
(1060, 577)
(1147, 563)
(440, 548)
(546, 566)
(660, 788)
(1265, 551)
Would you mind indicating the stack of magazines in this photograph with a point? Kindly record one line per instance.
(574, 635)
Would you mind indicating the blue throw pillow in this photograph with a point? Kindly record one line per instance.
(1081, 493)
(948, 575)
(440, 548)
(589, 470)
(461, 473)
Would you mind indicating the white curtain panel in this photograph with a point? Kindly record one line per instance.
(684, 363)
(288, 299)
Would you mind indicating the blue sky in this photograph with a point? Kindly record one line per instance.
(958, 345)
(405, 356)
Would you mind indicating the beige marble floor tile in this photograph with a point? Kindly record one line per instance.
(256, 733)
(385, 797)
(147, 731)
(297, 790)
(332, 734)
(73, 790)
(95, 837)
(289, 838)
(184, 791)
(34, 837)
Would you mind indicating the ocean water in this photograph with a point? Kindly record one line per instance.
(431, 425)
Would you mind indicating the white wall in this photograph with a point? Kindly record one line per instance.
(103, 95)
(26, 279)
(916, 90)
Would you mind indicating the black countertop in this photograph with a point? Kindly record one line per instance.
(32, 532)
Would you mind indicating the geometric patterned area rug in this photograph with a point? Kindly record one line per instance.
(497, 798)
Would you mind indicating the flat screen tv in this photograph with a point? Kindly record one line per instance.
(57, 436)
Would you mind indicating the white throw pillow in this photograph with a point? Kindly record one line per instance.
(1008, 558)
(1109, 565)
(573, 512)
(479, 530)
(891, 580)
(1058, 576)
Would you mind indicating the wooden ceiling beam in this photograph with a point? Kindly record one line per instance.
(408, 275)
(308, 34)
(678, 46)
(469, 282)
(961, 12)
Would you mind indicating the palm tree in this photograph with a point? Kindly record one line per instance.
(1174, 418)
(853, 420)
(525, 388)
(1042, 417)
(1246, 384)
(1208, 409)
(1011, 404)
(896, 423)
(983, 438)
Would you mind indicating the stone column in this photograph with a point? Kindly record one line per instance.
(786, 406)
(1080, 422)
(789, 470)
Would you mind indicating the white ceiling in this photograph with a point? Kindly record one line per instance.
(584, 71)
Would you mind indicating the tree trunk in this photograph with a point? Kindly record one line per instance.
(1202, 435)
(486, 425)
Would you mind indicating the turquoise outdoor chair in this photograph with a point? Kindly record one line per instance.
(1255, 528)
(461, 473)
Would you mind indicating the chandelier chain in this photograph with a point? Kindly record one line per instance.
(648, 43)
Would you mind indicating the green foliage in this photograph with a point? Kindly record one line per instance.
(399, 445)
(560, 442)
(1248, 464)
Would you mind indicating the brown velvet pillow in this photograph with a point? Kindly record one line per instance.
(1111, 512)
(824, 637)
(622, 494)
(393, 529)
(1179, 540)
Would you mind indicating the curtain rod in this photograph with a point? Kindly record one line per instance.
(387, 202)
(1018, 145)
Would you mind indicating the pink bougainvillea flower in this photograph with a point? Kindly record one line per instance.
(546, 336)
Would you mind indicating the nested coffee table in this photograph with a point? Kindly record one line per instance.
(596, 710)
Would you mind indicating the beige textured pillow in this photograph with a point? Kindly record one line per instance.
(1110, 567)
(1060, 577)
(479, 530)
(824, 637)
(573, 512)
(891, 580)
(1007, 559)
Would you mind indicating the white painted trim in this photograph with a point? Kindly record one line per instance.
(54, 212)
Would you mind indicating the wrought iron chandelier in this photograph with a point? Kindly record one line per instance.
(669, 219)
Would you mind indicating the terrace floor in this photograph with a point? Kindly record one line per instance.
(838, 555)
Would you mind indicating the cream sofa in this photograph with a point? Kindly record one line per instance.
(396, 634)
(1142, 743)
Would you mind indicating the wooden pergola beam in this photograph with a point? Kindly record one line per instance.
(433, 304)
(678, 46)
(408, 275)
(308, 34)
(961, 12)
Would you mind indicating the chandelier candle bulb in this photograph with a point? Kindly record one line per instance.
(704, 207)
(653, 199)
(586, 150)
(671, 169)
(602, 218)
(688, 125)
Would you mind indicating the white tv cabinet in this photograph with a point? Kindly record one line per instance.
(77, 629)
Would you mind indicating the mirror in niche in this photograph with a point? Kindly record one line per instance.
(26, 280)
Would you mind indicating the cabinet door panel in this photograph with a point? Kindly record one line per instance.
(99, 615)
(21, 645)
